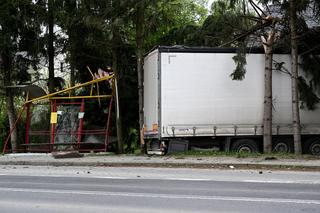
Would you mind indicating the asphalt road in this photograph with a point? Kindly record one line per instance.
(49, 189)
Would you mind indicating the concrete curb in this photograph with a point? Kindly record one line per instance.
(230, 166)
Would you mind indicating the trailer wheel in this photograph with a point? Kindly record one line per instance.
(282, 145)
(314, 146)
(244, 145)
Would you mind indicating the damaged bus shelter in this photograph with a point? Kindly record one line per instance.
(63, 121)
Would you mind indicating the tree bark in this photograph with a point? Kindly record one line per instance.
(294, 80)
(139, 52)
(72, 75)
(50, 46)
(115, 43)
(72, 78)
(267, 116)
(6, 67)
(12, 119)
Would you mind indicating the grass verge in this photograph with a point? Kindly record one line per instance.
(267, 156)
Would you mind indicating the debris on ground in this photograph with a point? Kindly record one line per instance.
(270, 158)
(67, 154)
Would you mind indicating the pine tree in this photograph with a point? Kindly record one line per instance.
(19, 45)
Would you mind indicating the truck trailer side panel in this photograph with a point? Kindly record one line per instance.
(199, 98)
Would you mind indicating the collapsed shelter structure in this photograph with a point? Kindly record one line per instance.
(68, 119)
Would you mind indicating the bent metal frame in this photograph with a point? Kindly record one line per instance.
(52, 98)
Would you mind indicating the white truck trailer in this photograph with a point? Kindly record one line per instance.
(189, 96)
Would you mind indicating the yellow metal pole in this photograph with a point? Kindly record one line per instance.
(27, 98)
(71, 88)
(80, 97)
(98, 95)
(91, 90)
(92, 86)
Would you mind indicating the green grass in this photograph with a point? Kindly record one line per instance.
(192, 153)
(243, 155)
(214, 154)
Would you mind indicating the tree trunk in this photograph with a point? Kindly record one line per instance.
(115, 43)
(72, 75)
(139, 43)
(6, 66)
(50, 46)
(72, 60)
(267, 116)
(72, 78)
(294, 80)
(12, 119)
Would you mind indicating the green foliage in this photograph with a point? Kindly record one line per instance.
(132, 142)
(184, 11)
(240, 61)
(128, 81)
(220, 27)
(310, 60)
(178, 16)
(307, 95)
(186, 35)
(20, 30)
(3, 123)
(87, 42)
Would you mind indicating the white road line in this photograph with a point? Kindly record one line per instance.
(164, 196)
(282, 181)
(141, 177)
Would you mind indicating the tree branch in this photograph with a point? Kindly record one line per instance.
(256, 8)
(281, 68)
(267, 23)
(310, 50)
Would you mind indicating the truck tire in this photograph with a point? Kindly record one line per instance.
(244, 145)
(313, 146)
(282, 145)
